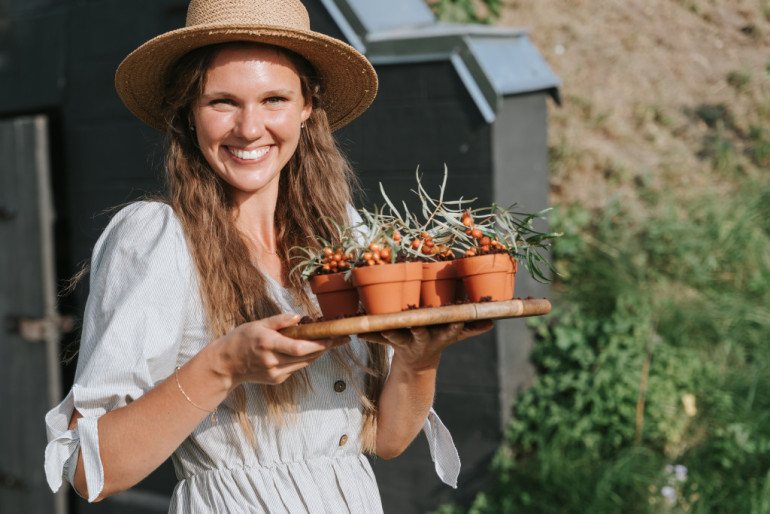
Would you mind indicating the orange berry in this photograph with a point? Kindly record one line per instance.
(328, 251)
(370, 262)
(468, 231)
(385, 253)
(415, 244)
(476, 233)
(470, 253)
(397, 236)
(467, 221)
(485, 241)
(368, 256)
(374, 247)
(484, 248)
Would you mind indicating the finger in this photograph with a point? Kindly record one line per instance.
(279, 321)
(400, 337)
(441, 333)
(373, 337)
(477, 327)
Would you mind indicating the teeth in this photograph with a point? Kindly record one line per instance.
(252, 155)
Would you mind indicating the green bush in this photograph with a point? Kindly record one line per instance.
(653, 388)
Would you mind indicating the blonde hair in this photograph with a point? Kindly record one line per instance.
(232, 289)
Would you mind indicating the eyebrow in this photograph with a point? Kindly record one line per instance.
(267, 94)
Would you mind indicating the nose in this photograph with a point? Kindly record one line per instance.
(250, 124)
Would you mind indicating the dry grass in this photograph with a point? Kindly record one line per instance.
(635, 72)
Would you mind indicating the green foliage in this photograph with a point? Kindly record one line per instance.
(466, 11)
(653, 388)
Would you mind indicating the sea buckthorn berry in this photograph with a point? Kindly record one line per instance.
(484, 241)
(484, 248)
(368, 256)
(468, 231)
(476, 233)
(374, 247)
(328, 251)
(385, 253)
(397, 236)
(415, 244)
(470, 253)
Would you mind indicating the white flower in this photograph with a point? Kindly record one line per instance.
(681, 472)
(669, 494)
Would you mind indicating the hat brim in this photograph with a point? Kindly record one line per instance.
(350, 82)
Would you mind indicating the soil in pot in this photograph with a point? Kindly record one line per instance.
(439, 284)
(381, 287)
(336, 296)
(489, 277)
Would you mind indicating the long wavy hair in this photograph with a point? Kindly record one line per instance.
(233, 290)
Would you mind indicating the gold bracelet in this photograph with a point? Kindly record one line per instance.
(213, 412)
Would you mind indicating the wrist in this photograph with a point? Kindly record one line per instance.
(216, 365)
(425, 366)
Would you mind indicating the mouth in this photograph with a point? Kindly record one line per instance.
(249, 155)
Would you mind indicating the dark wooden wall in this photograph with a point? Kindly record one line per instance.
(58, 57)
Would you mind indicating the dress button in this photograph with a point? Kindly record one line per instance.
(343, 440)
(339, 386)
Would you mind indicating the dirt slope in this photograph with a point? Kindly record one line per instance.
(646, 83)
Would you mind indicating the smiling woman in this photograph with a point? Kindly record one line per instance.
(181, 353)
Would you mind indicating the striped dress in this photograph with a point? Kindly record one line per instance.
(143, 318)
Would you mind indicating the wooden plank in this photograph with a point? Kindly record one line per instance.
(420, 317)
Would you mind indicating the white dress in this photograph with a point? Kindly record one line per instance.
(143, 318)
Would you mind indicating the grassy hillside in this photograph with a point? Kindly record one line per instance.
(670, 93)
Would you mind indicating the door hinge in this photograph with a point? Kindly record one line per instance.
(36, 330)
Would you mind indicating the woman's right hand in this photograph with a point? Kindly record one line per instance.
(256, 352)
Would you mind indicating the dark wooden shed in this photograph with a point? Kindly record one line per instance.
(472, 98)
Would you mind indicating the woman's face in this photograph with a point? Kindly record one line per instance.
(248, 119)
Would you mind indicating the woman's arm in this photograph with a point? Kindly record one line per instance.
(408, 394)
(135, 439)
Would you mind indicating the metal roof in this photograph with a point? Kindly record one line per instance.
(492, 62)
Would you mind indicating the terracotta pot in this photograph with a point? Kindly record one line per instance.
(336, 296)
(491, 276)
(381, 287)
(410, 296)
(439, 284)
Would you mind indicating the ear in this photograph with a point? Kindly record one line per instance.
(306, 111)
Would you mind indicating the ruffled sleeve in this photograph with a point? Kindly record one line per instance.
(141, 280)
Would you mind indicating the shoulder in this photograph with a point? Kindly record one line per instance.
(145, 217)
(142, 231)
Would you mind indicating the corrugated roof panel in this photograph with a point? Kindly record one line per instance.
(513, 65)
(377, 15)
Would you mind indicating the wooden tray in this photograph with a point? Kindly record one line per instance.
(419, 317)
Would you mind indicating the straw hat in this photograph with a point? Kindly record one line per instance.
(350, 82)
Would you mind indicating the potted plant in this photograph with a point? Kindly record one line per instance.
(496, 240)
(326, 267)
(386, 280)
(431, 243)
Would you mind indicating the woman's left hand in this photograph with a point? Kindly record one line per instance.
(419, 348)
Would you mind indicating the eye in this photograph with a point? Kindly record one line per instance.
(222, 101)
(275, 100)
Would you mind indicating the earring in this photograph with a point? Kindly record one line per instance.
(302, 125)
(192, 127)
